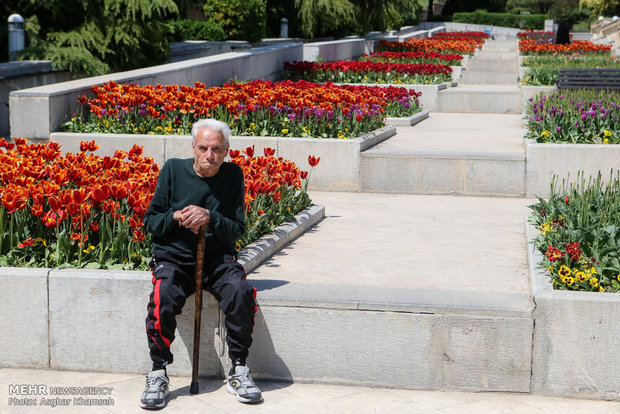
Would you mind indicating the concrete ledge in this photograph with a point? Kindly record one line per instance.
(346, 49)
(193, 49)
(408, 121)
(36, 112)
(339, 168)
(257, 252)
(445, 173)
(24, 333)
(444, 351)
(501, 99)
(546, 160)
(575, 338)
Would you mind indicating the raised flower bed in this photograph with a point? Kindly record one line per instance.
(539, 62)
(461, 46)
(258, 108)
(290, 117)
(85, 210)
(570, 131)
(368, 72)
(580, 234)
(573, 233)
(414, 57)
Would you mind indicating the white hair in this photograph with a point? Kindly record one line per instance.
(213, 125)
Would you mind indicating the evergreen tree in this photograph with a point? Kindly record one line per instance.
(94, 37)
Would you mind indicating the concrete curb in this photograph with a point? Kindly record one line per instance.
(575, 337)
(408, 121)
(255, 253)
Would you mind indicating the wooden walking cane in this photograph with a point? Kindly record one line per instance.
(200, 253)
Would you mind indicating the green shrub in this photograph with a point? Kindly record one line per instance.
(198, 30)
(528, 21)
(240, 19)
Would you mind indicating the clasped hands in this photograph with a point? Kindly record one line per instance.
(192, 217)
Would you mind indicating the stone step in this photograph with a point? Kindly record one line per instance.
(421, 306)
(497, 55)
(450, 154)
(510, 65)
(489, 77)
(498, 99)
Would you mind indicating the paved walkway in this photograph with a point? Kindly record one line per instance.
(422, 242)
(449, 133)
(279, 398)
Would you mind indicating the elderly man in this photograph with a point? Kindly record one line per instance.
(192, 192)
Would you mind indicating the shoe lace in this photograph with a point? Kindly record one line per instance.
(153, 383)
(246, 378)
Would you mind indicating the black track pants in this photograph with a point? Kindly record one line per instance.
(174, 280)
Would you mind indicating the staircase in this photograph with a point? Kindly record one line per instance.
(473, 144)
(411, 283)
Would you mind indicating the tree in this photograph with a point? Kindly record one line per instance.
(454, 6)
(602, 7)
(240, 19)
(568, 11)
(326, 17)
(533, 6)
(92, 37)
(349, 17)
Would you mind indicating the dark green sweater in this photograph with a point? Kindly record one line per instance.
(178, 186)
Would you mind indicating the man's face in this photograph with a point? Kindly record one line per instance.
(209, 152)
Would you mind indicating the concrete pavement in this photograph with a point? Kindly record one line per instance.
(285, 398)
(279, 398)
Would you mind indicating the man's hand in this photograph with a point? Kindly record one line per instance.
(192, 217)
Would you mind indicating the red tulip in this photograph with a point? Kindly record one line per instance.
(313, 161)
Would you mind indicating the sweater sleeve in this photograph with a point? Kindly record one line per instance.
(229, 229)
(158, 219)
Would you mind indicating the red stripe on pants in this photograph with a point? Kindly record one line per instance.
(156, 312)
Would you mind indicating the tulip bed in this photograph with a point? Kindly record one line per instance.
(368, 72)
(446, 46)
(544, 60)
(528, 47)
(83, 210)
(580, 234)
(413, 57)
(575, 116)
(257, 108)
(543, 69)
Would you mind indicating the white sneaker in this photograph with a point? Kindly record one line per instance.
(155, 394)
(241, 384)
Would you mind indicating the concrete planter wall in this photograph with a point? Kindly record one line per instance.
(24, 74)
(575, 338)
(546, 160)
(93, 320)
(24, 333)
(338, 170)
(528, 92)
(347, 49)
(36, 112)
